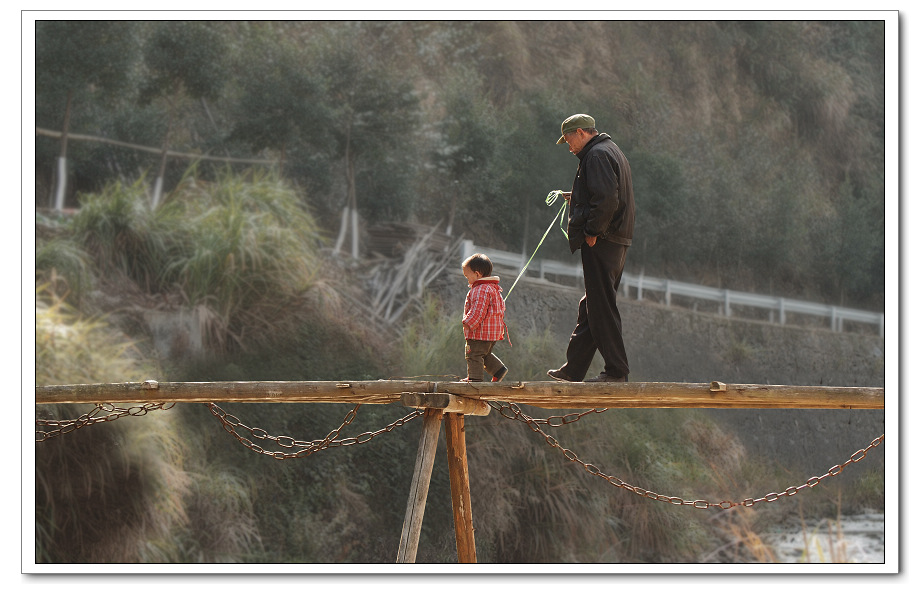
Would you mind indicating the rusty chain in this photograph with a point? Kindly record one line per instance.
(231, 422)
(534, 425)
(560, 420)
(112, 412)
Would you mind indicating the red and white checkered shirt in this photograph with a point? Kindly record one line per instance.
(484, 311)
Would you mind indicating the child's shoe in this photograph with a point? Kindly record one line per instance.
(500, 374)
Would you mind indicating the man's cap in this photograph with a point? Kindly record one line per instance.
(572, 123)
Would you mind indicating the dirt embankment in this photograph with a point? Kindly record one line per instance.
(680, 345)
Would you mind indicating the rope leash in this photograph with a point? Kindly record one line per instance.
(550, 200)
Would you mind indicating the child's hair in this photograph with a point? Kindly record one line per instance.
(479, 263)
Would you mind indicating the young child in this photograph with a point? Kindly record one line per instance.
(483, 319)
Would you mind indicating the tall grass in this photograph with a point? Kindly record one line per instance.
(73, 349)
(241, 251)
(132, 490)
(64, 267)
(101, 490)
(123, 234)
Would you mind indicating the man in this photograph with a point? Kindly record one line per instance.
(601, 219)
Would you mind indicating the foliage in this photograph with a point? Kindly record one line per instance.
(184, 56)
(432, 342)
(92, 58)
(281, 103)
(70, 349)
(64, 266)
(241, 250)
(123, 234)
(102, 492)
(755, 145)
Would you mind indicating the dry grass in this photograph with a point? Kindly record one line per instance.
(119, 492)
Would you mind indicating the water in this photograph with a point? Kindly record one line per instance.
(854, 539)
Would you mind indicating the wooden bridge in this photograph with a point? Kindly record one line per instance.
(451, 401)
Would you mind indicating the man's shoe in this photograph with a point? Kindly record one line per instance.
(557, 374)
(466, 379)
(500, 374)
(603, 377)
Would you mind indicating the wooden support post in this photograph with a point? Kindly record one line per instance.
(418, 492)
(460, 487)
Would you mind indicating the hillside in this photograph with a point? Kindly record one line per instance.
(757, 147)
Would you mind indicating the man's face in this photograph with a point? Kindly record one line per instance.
(576, 140)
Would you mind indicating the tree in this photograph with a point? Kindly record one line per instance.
(183, 59)
(469, 136)
(372, 109)
(75, 59)
(280, 101)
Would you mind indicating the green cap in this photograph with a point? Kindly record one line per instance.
(572, 123)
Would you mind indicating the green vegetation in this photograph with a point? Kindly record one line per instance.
(757, 147)
(241, 252)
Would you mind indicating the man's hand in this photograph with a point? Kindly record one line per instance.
(590, 240)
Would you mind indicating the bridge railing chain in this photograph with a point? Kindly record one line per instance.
(517, 414)
(112, 412)
(230, 423)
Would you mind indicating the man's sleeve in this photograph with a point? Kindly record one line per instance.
(603, 193)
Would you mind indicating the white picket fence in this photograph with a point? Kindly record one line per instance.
(778, 308)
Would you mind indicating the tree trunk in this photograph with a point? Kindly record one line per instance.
(62, 158)
(350, 212)
(158, 186)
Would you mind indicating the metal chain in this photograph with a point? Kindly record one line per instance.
(231, 422)
(112, 412)
(518, 414)
(554, 421)
(560, 420)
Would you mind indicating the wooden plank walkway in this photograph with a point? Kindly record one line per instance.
(549, 395)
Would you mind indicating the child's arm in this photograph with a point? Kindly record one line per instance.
(479, 305)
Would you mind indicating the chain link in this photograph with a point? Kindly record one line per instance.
(512, 411)
(111, 411)
(230, 424)
(534, 424)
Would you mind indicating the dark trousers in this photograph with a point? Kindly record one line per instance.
(479, 356)
(599, 327)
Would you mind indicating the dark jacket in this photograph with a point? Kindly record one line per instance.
(602, 202)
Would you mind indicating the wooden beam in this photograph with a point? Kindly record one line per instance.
(418, 491)
(365, 392)
(448, 403)
(460, 487)
(556, 395)
(551, 395)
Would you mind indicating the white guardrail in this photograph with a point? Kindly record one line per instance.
(777, 307)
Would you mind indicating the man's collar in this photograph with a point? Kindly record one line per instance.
(594, 140)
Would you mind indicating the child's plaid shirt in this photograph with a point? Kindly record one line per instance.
(484, 311)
